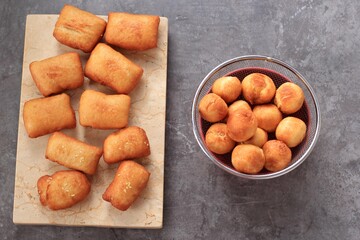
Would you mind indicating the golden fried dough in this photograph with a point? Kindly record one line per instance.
(46, 115)
(238, 104)
(258, 88)
(73, 153)
(228, 88)
(259, 139)
(213, 108)
(268, 116)
(291, 130)
(277, 155)
(63, 189)
(59, 73)
(289, 98)
(132, 31)
(217, 139)
(112, 69)
(241, 124)
(130, 180)
(42, 185)
(79, 29)
(127, 143)
(247, 158)
(98, 110)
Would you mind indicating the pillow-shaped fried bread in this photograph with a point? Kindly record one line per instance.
(130, 180)
(56, 74)
(98, 110)
(46, 115)
(127, 143)
(63, 189)
(132, 31)
(112, 69)
(79, 29)
(73, 153)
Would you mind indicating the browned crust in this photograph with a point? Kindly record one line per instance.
(242, 124)
(102, 111)
(79, 29)
(63, 189)
(291, 130)
(228, 88)
(258, 88)
(289, 98)
(56, 74)
(73, 153)
(112, 69)
(129, 181)
(127, 143)
(217, 139)
(268, 116)
(213, 108)
(277, 155)
(248, 158)
(132, 31)
(46, 115)
(42, 185)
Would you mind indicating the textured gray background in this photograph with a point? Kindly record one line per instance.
(318, 200)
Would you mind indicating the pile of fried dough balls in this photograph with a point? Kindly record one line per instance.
(242, 127)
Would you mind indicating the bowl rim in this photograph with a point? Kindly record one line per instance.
(267, 175)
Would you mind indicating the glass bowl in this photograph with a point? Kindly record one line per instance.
(280, 72)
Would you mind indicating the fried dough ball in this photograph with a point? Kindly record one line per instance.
(268, 116)
(291, 130)
(217, 139)
(228, 88)
(289, 98)
(258, 88)
(241, 124)
(213, 108)
(259, 139)
(247, 158)
(277, 155)
(238, 104)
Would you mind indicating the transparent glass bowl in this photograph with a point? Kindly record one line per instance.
(280, 72)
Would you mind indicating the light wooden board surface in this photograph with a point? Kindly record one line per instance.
(148, 110)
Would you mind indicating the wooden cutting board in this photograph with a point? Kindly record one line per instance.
(148, 110)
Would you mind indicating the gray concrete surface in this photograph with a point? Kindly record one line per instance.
(318, 200)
